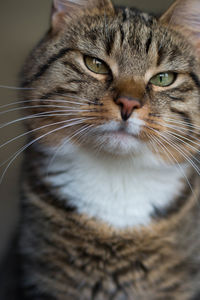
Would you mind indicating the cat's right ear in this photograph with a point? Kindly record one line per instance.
(64, 10)
(58, 14)
(184, 16)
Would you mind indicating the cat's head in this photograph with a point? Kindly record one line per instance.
(117, 80)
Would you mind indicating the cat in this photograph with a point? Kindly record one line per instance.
(111, 186)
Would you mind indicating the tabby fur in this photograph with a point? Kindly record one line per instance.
(68, 249)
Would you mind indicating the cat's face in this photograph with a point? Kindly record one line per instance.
(116, 81)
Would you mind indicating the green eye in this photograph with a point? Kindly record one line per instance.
(163, 79)
(96, 65)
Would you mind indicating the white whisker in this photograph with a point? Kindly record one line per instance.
(83, 100)
(14, 88)
(177, 148)
(68, 139)
(183, 140)
(34, 130)
(183, 130)
(39, 115)
(34, 141)
(42, 106)
(176, 128)
(152, 142)
(187, 124)
(40, 100)
(173, 158)
(170, 119)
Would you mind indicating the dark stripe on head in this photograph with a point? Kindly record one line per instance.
(161, 55)
(124, 15)
(122, 34)
(148, 20)
(93, 35)
(137, 43)
(148, 42)
(46, 66)
(110, 42)
(195, 79)
(174, 53)
(73, 67)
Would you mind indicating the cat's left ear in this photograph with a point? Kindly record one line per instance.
(64, 10)
(184, 16)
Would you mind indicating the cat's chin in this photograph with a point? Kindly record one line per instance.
(119, 139)
(120, 143)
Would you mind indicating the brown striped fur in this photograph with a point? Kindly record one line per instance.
(72, 257)
(67, 255)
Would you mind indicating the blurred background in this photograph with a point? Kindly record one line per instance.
(22, 24)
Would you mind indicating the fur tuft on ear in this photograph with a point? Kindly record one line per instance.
(73, 8)
(184, 16)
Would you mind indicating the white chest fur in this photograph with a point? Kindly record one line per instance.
(122, 193)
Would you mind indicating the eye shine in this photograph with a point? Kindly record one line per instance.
(96, 65)
(163, 79)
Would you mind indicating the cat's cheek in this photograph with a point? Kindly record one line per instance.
(55, 134)
(143, 113)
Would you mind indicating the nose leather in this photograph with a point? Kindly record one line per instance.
(128, 105)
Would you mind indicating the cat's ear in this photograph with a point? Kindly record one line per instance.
(68, 9)
(184, 16)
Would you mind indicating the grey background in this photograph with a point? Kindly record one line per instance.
(22, 24)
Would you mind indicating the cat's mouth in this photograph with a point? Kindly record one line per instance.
(129, 129)
(118, 137)
(121, 133)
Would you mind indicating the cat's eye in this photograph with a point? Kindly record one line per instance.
(96, 65)
(163, 79)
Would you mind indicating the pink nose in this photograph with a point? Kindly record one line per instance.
(128, 105)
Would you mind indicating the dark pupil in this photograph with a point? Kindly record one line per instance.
(97, 63)
(162, 77)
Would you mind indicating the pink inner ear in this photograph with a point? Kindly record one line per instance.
(64, 8)
(184, 16)
(68, 5)
(60, 5)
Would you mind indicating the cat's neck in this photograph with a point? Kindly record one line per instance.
(121, 192)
